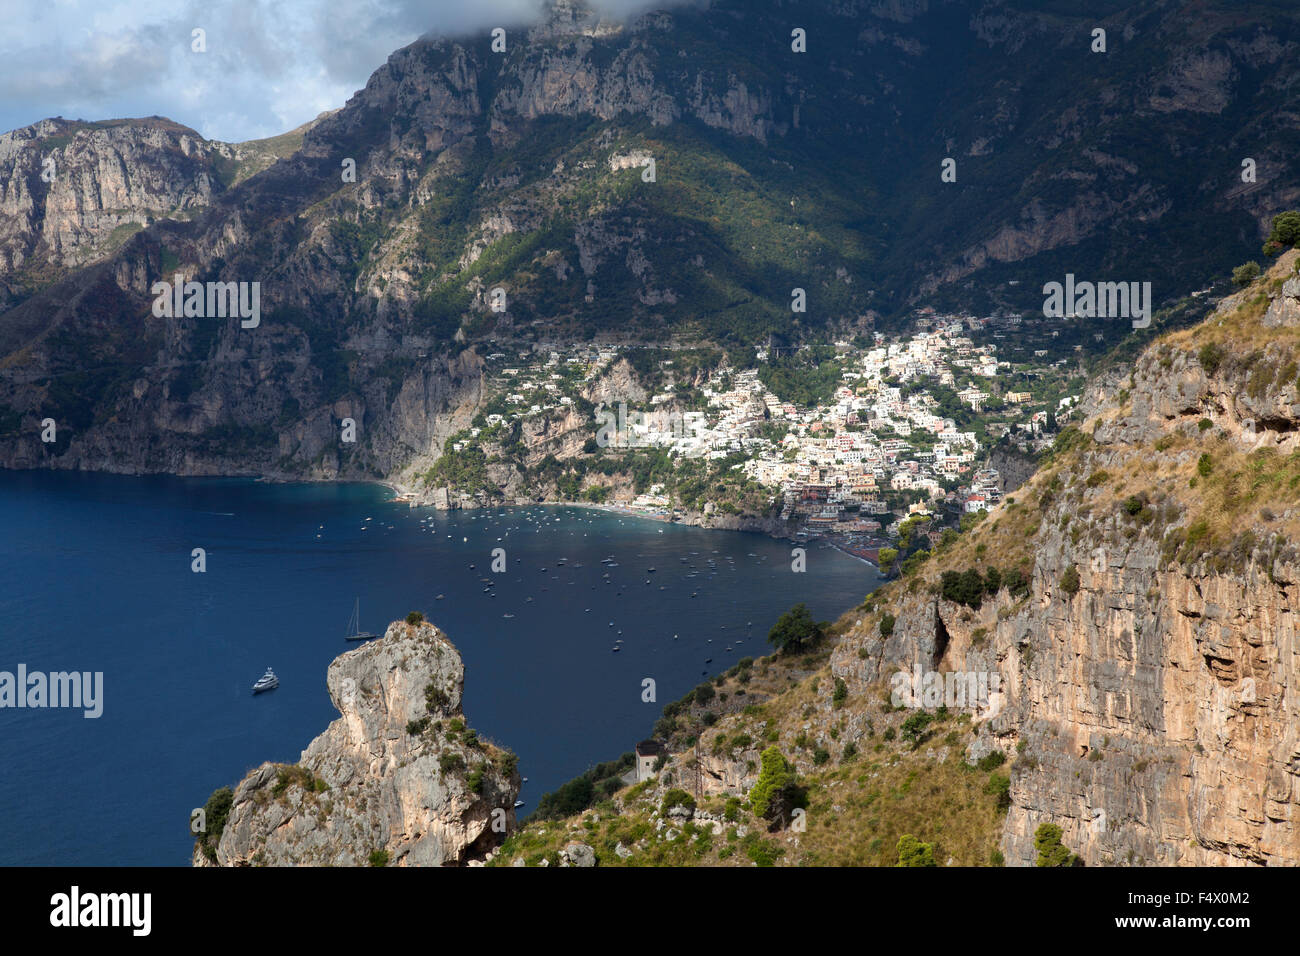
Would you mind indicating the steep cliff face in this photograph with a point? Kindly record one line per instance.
(397, 773)
(1149, 675)
(73, 192)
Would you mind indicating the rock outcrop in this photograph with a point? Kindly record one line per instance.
(1149, 675)
(66, 188)
(397, 779)
(73, 192)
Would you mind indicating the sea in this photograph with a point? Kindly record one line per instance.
(98, 575)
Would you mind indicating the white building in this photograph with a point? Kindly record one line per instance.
(647, 755)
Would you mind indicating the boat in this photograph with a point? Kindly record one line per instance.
(518, 804)
(354, 626)
(267, 681)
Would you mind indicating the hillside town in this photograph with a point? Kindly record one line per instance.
(905, 429)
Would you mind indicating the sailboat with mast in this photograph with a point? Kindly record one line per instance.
(354, 626)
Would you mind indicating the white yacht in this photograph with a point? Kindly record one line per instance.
(267, 681)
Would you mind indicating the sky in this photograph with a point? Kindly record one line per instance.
(269, 65)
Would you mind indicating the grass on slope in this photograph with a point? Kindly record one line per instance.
(867, 782)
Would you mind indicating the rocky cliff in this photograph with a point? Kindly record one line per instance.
(378, 234)
(1125, 622)
(73, 192)
(397, 779)
(1149, 674)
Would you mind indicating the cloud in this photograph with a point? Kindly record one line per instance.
(269, 65)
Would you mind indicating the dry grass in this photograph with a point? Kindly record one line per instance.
(1236, 325)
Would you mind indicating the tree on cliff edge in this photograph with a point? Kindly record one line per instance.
(794, 630)
(1051, 851)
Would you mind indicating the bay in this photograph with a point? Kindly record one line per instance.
(96, 573)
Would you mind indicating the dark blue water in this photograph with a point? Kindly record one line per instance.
(96, 577)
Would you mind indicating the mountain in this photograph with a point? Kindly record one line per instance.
(527, 171)
(74, 192)
(1127, 617)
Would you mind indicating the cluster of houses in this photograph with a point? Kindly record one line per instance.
(842, 466)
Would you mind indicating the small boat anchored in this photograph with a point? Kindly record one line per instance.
(267, 681)
(354, 626)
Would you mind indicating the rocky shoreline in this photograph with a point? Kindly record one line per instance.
(441, 500)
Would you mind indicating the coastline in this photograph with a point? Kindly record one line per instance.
(771, 527)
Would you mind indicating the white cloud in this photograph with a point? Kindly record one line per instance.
(270, 65)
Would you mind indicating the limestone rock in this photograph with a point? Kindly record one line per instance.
(369, 783)
(579, 854)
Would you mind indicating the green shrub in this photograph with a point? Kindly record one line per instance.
(676, 797)
(999, 786)
(507, 762)
(1051, 852)
(887, 622)
(912, 852)
(966, 587)
(991, 761)
(777, 791)
(914, 728)
(794, 630)
(414, 618)
(215, 813)
(992, 581)
(763, 852)
(1246, 273)
(449, 762)
(731, 810)
(1210, 356)
(578, 794)
(378, 857)
(1015, 582)
(435, 698)
(1285, 232)
(417, 727)
(474, 779)
(1070, 581)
